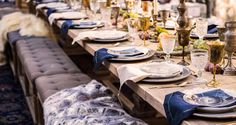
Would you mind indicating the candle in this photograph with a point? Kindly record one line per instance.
(155, 3)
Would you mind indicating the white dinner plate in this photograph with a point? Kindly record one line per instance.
(148, 55)
(88, 26)
(162, 70)
(128, 51)
(109, 35)
(184, 74)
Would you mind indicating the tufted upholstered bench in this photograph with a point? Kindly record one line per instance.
(41, 57)
(48, 85)
(12, 38)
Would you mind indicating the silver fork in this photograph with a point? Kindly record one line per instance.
(182, 84)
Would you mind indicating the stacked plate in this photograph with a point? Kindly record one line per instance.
(130, 53)
(215, 106)
(86, 24)
(165, 72)
(103, 36)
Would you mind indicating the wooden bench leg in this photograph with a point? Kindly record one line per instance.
(40, 112)
(26, 84)
(35, 105)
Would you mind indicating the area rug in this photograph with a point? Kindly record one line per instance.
(13, 107)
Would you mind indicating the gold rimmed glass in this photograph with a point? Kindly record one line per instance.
(144, 24)
(216, 54)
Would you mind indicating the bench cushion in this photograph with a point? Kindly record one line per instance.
(15, 36)
(42, 57)
(48, 85)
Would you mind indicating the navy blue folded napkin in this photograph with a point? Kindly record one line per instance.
(65, 27)
(177, 109)
(101, 55)
(212, 29)
(68, 24)
(50, 11)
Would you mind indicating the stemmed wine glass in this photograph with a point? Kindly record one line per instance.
(94, 6)
(168, 45)
(201, 27)
(216, 52)
(144, 24)
(199, 58)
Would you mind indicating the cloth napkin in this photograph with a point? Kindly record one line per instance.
(212, 29)
(131, 72)
(50, 11)
(100, 56)
(69, 24)
(177, 109)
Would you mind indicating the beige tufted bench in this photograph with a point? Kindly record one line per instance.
(41, 57)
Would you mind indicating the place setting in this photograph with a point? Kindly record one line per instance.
(102, 36)
(200, 102)
(122, 54)
(80, 24)
(73, 15)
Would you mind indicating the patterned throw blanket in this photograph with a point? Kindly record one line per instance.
(87, 104)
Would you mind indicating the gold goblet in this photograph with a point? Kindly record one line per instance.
(216, 51)
(144, 24)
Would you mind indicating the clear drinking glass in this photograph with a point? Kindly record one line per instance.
(94, 6)
(199, 58)
(168, 45)
(106, 16)
(132, 30)
(201, 27)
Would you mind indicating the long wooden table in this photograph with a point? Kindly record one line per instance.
(155, 97)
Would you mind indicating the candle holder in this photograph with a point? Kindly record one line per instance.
(164, 16)
(183, 30)
(183, 40)
(115, 13)
(182, 19)
(230, 40)
(154, 17)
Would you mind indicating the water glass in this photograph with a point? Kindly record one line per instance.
(199, 58)
(106, 16)
(132, 30)
(201, 27)
(94, 6)
(168, 45)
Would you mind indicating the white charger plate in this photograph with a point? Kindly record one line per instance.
(217, 116)
(208, 36)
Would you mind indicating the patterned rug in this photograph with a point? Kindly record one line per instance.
(13, 106)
